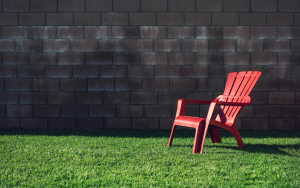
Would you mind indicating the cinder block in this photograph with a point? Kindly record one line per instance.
(30, 71)
(43, 6)
(170, 97)
(125, 31)
(102, 111)
(15, 58)
(180, 32)
(225, 19)
(113, 72)
(295, 72)
(2, 87)
(282, 124)
(195, 72)
(156, 84)
(86, 72)
(130, 111)
(34, 123)
(29, 45)
(45, 85)
(183, 84)
(249, 45)
(116, 97)
(264, 32)
(61, 123)
(139, 45)
(297, 19)
(290, 110)
(263, 5)
(254, 123)
(154, 6)
(60, 97)
(32, 19)
(288, 58)
(295, 46)
(253, 19)
(70, 58)
(153, 32)
(236, 32)
(259, 97)
(33, 98)
(130, 58)
(88, 97)
(168, 71)
(266, 85)
(223, 45)
(18, 110)
(181, 59)
(117, 123)
(89, 123)
(221, 71)
(236, 58)
(98, 6)
(140, 71)
(128, 85)
(87, 19)
(211, 84)
(46, 110)
(102, 58)
(288, 5)
(145, 123)
(236, 5)
(277, 71)
(111, 45)
(126, 6)
(247, 111)
(8, 71)
(56, 45)
(263, 59)
(9, 19)
(181, 6)
(169, 18)
(18, 85)
(154, 58)
(199, 95)
(209, 58)
(197, 19)
(101, 84)
(143, 97)
(277, 45)
(166, 123)
(9, 123)
(42, 32)
(157, 110)
(84, 45)
(9, 98)
(14, 32)
(74, 110)
(73, 85)
(191, 45)
(289, 85)
(209, 5)
(71, 5)
(167, 45)
(59, 18)
(97, 32)
(142, 18)
(280, 19)
(297, 97)
(7, 45)
(281, 98)
(114, 18)
(69, 32)
(58, 71)
(15, 5)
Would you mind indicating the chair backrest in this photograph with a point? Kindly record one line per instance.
(238, 87)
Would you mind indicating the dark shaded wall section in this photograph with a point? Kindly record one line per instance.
(89, 64)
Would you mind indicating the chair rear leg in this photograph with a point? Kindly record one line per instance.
(214, 134)
(237, 136)
(172, 134)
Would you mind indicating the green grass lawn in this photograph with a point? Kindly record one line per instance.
(133, 158)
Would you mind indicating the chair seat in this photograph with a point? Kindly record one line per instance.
(188, 121)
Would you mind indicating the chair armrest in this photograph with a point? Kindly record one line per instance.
(247, 102)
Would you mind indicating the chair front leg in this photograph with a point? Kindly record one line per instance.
(172, 134)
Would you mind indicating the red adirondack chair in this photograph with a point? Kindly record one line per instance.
(236, 95)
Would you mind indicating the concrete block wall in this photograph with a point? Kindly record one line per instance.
(89, 64)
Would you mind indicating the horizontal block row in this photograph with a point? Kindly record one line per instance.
(90, 19)
(106, 59)
(147, 45)
(150, 6)
(150, 32)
